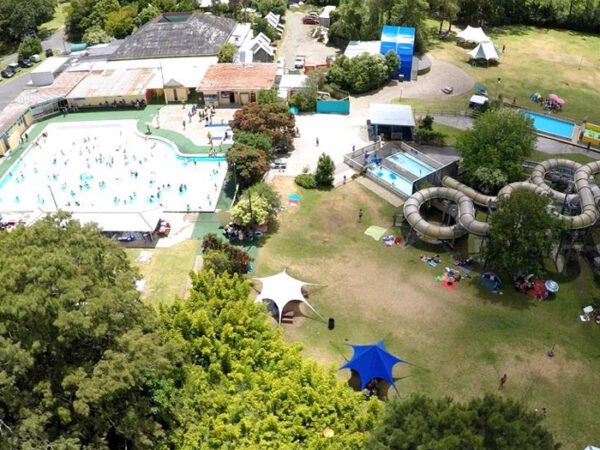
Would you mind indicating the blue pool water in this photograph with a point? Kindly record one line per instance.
(550, 125)
(399, 182)
(410, 164)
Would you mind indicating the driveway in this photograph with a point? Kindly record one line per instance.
(298, 41)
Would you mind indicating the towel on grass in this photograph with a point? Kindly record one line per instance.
(375, 232)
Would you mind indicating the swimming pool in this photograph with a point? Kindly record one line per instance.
(410, 164)
(106, 166)
(397, 181)
(550, 125)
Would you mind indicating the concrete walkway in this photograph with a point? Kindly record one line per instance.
(381, 192)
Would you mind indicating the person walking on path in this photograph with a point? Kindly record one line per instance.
(317, 142)
(503, 379)
(360, 215)
(183, 124)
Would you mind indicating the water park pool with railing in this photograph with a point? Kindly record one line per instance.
(106, 166)
(410, 164)
(549, 125)
(397, 181)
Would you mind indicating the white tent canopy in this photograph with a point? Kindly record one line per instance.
(282, 289)
(473, 34)
(485, 50)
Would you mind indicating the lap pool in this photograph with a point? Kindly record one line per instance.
(550, 125)
(106, 166)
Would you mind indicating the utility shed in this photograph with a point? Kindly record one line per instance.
(393, 121)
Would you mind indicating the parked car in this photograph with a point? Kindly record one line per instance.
(299, 62)
(35, 58)
(7, 73)
(310, 20)
(279, 164)
(15, 67)
(25, 63)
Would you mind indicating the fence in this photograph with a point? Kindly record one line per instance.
(333, 106)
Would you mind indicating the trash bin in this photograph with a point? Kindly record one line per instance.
(331, 323)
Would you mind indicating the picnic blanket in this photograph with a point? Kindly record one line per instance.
(375, 232)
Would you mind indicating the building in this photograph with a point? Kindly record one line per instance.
(274, 21)
(402, 41)
(257, 49)
(177, 35)
(290, 84)
(48, 70)
(391, 121)
(236, 84)
(357, 48)
(325, 16)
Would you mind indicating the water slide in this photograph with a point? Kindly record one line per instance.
(588, 196)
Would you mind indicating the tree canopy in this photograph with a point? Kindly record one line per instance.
(494, 150)
(271, 119)
(522, 233)
(488, 423)
(361, 74)
(18, 18)
(227, 53)
(249, 164)
(324, 171)
(79, 352)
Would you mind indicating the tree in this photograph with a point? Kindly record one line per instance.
(266, 191)
(361, 74)
(392, 61)
(96, 35)
(259, 141)
(30, 45)
(324, 172)
(264, 7)
(245, 387)
(227, 53)
(223, 257)
(262, 26)
(121, 23)
(252, 210)
(146, 14)
(250, 164)
(488, 423)
(80, 353)
(267, 96)
(305, 99)
(522, 233)
(446, 10)
(499, 142)
(271, 119)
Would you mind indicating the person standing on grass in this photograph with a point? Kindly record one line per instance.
(503, 379)
(360, 215)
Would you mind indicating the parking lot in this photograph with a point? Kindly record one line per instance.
(298, 41)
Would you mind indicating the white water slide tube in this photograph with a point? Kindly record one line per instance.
(465, 197)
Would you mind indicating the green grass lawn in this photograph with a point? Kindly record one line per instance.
(458, 343)
(167, 273)
(57, 21)
(535, 59)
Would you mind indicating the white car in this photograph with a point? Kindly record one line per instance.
(299, 62)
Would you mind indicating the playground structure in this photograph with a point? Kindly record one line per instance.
(587, 196)
(591, 134)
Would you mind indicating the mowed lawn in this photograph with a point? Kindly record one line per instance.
(167, 273)
(534, 60)
(459, 342)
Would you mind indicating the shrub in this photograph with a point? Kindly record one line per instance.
(224, 257)
(252, 210)
(29, 46)
(324, 172)
(306, 180)
(425, 136)
(259, 141)
(249, 164)
(266, 191)
(227, 53)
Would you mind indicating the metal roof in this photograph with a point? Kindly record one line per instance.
(239, 77)
(388, 114)
(195, 35)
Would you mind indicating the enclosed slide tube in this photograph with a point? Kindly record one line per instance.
(465, 197)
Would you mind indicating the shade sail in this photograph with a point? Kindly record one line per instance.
(485, 50)
(282, 289)
(473, 34)
(372, 361)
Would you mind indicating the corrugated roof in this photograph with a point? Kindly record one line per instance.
(113, 82)
(388, 114)
(239, 77)
(198, 35)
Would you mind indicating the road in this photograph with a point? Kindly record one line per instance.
(12, 87)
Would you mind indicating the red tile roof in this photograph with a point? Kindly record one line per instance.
(239, 77)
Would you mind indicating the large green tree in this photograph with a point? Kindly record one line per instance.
(488, 423)
(246, 388)
(522, 233)
(79, 354)
(18, 18)
(494, 150)
(249, 164)
(361, 74)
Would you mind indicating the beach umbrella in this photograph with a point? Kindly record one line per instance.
(556, 99)
(372, 361)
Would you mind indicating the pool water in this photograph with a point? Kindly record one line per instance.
(397, 181)
(410, 164)
(550, 125)
(106, 166)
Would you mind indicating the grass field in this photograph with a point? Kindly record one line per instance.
(167, 273)
(534, 60)
(57, 22)
(458, 342)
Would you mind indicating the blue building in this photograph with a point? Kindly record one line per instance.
(402, 41)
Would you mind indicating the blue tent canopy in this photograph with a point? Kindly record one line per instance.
(372, 361)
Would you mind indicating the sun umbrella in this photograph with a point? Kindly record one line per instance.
(556, 99)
